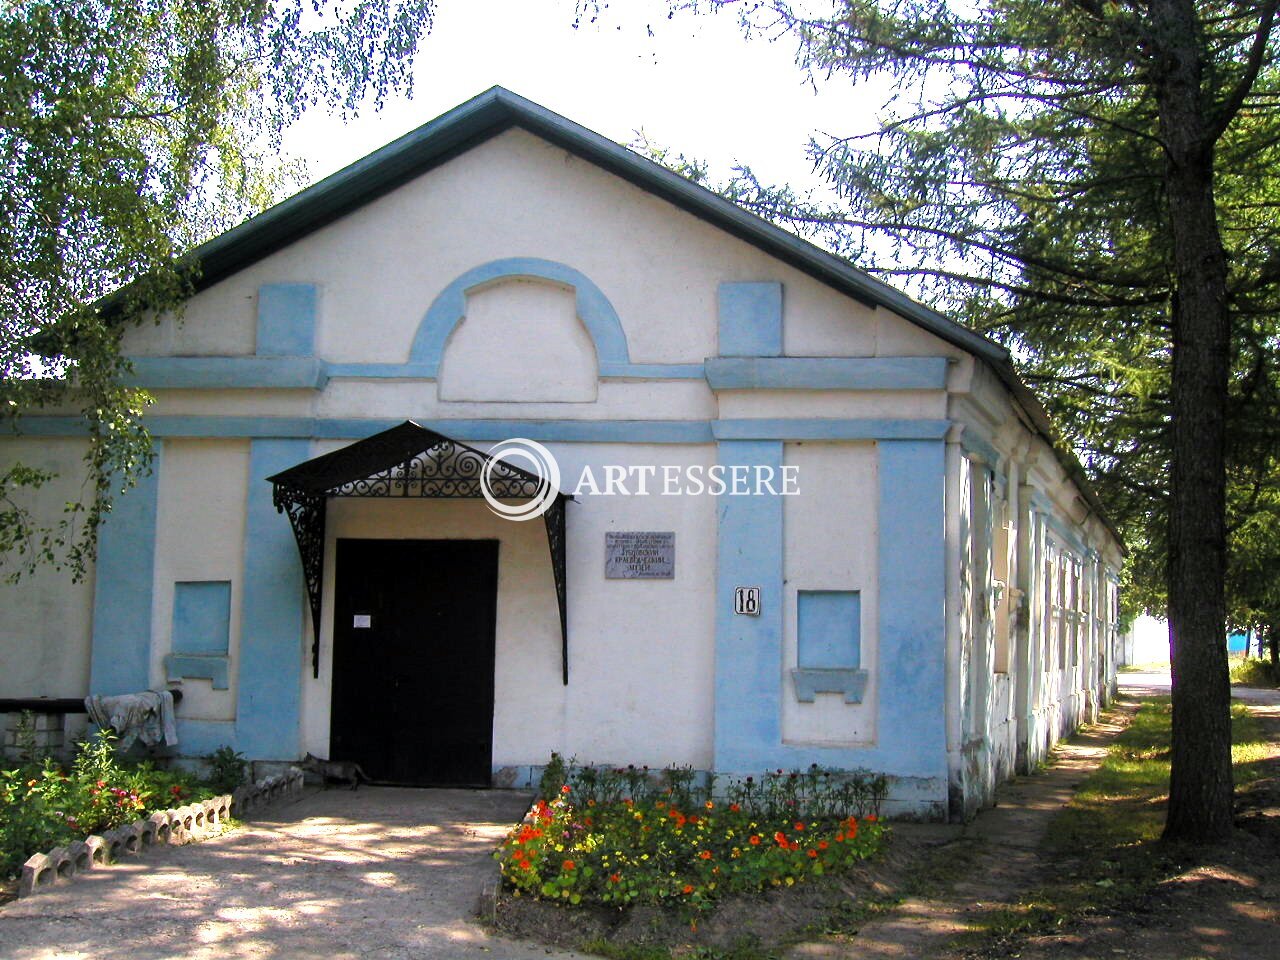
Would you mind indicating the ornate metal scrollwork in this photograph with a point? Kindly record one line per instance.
(405, 461)
(554, 519)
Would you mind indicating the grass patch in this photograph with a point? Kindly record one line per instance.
(1153, 666)
(1106, 842)
(1252, 672)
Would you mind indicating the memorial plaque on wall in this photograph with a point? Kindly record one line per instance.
(640, 555)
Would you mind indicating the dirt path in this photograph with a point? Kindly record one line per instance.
(380, 873)
(1222, 908)
(1006, 862)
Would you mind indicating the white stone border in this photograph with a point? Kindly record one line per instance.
(185, 824)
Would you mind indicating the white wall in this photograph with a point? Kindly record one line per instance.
(45, 619)
(831, 534)
(199, 537)
(641, 652)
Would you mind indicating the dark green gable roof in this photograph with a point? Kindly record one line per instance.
(498, 110)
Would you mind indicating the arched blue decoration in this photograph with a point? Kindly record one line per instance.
(448, 309)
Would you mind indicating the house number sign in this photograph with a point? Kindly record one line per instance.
(746, 601)
(640, 555)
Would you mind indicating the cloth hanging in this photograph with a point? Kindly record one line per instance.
(146, 716)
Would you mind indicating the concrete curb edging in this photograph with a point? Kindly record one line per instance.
(185, 824)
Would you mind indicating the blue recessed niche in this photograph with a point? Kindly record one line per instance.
(829, 645)
(201, 633)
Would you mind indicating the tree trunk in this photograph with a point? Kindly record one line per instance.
(1273, 644)
(1200, 789)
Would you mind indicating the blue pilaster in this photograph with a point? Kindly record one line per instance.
(750, 316)
(120, 661)
(749, 649)
(912, 574)
(269, 703)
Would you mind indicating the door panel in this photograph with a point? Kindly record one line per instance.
(413, 659)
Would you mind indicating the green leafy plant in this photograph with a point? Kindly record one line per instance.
(43, 805)
(227, 769)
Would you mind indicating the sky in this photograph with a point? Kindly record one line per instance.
(693, 84)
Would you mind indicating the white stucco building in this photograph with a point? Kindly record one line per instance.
(936, 594)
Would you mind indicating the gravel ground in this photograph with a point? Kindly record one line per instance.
(382, 872)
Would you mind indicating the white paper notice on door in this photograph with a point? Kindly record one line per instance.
(363, 621)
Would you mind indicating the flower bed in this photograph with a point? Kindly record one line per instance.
(43, 806)
(683, 846)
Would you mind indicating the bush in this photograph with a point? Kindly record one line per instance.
(669, 840)
(1253, 672)
(44, 806)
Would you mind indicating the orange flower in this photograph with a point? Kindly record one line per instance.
(755, 840)
(872, 818)
(705, 855)
(615, 878)
(568, 865)
(693, 818)
(813, 854)
(709, 805)
(793, 846)
(799, 825)
(839, 838)
(565, 788)
(734, 808)
(822, 844)
(853, 830)
(780, 839)
(688, 888)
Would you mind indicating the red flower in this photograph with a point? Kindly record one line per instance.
(565, 788)
(615, 878)
(568, 865)
(688, 888)
(813, 854)
(822, 844)
(705, 855)
(734, 808)
(755, 840)
(780, 839)
(872, 818)
(799, 825)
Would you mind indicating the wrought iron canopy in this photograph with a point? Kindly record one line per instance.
(406, 461)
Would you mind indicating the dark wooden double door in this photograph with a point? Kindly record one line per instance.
(413, 659)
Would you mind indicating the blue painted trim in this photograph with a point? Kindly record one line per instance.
(563, 431)
(827, 373)
(199, 738)
(748, 707)
(979, 448)
(652, 371)
(287, 320)
(808, 682)
(566, 431)
(269, 697)
(120, 659)
(447, 310)
(1065, 535)
(750, 319)
(423, 371)
(214, 373)
(817, 429)
(179, 666)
